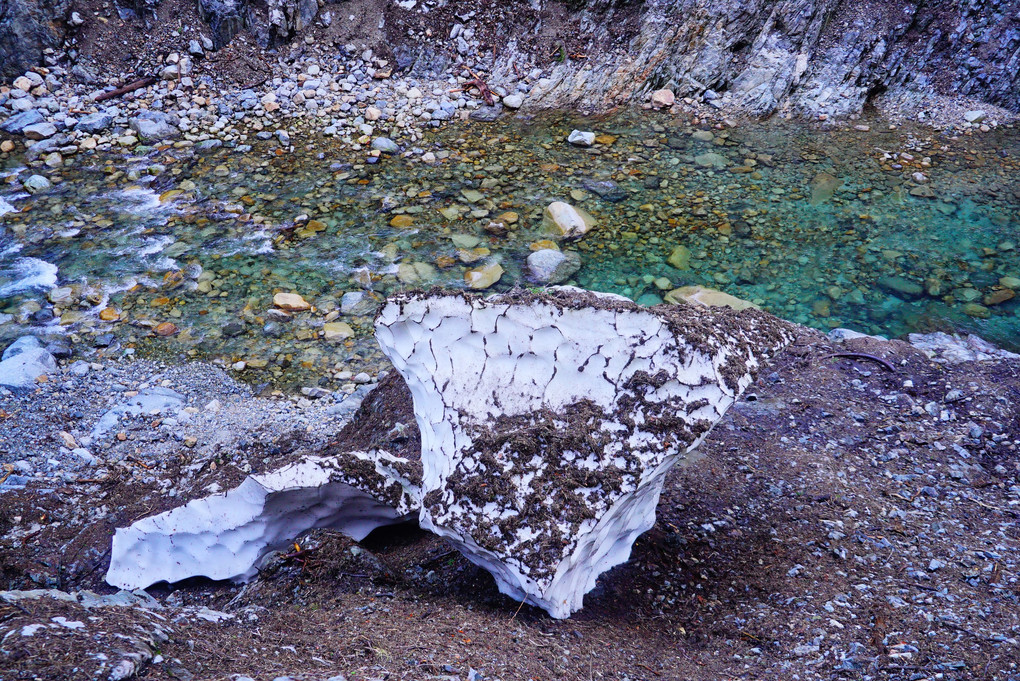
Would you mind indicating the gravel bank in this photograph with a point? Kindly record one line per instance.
(848, 520)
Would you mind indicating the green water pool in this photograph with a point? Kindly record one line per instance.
(886, 231)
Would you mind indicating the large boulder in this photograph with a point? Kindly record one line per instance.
(24, 361)
(548, 422)
(154, 126)
(565, 221)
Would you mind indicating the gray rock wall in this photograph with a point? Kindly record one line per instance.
(26, 28)
(269, 21)
(812, 56)
(760, 56)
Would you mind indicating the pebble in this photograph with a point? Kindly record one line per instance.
(37, 183)
(291, 302)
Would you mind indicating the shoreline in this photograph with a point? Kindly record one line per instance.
(275, 144)
(49, 115)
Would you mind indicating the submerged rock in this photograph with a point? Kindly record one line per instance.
(711, 160)
(580, 138)
(823, 186)
(548, 423)
(563, 220)
(707, 297)
(606, 190)
(900, 287)
(551, 266)
(483, 277)
(36, 183)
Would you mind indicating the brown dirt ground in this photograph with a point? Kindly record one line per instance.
(812, 521)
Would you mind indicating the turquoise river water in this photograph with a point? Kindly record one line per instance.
(178, 252)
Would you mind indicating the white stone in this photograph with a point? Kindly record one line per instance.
(513, 101)
(663, 98)
(563, 220)
(23, 362)
(580, 138)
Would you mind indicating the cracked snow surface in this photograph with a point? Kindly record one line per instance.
(548, 421)
(225, 535)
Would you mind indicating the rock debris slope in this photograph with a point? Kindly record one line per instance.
(548, 422)
(224, 536)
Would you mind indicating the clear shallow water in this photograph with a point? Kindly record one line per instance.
(823, 228)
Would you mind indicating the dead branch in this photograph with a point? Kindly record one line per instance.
(130, 87)
(483, 89)
(862, 355)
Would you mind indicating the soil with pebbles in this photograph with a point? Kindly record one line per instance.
(850, 520)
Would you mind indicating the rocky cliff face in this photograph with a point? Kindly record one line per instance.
(755, 56)
(26, 28)
(808, 56)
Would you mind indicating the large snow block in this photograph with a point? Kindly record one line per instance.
(548, 422)
(224, 536)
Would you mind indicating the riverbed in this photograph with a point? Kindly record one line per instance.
(177, 251)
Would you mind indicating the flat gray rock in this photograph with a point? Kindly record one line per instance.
(23, 362)
(18, 122)
(149, 401)
(153, 125)
(94, 122)
(485, 114)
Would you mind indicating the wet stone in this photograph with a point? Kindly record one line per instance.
(607, 190)
(581, 139)
(900, 287)
(486, 114)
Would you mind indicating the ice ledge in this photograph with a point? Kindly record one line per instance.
(224, 536)
(548, 422)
